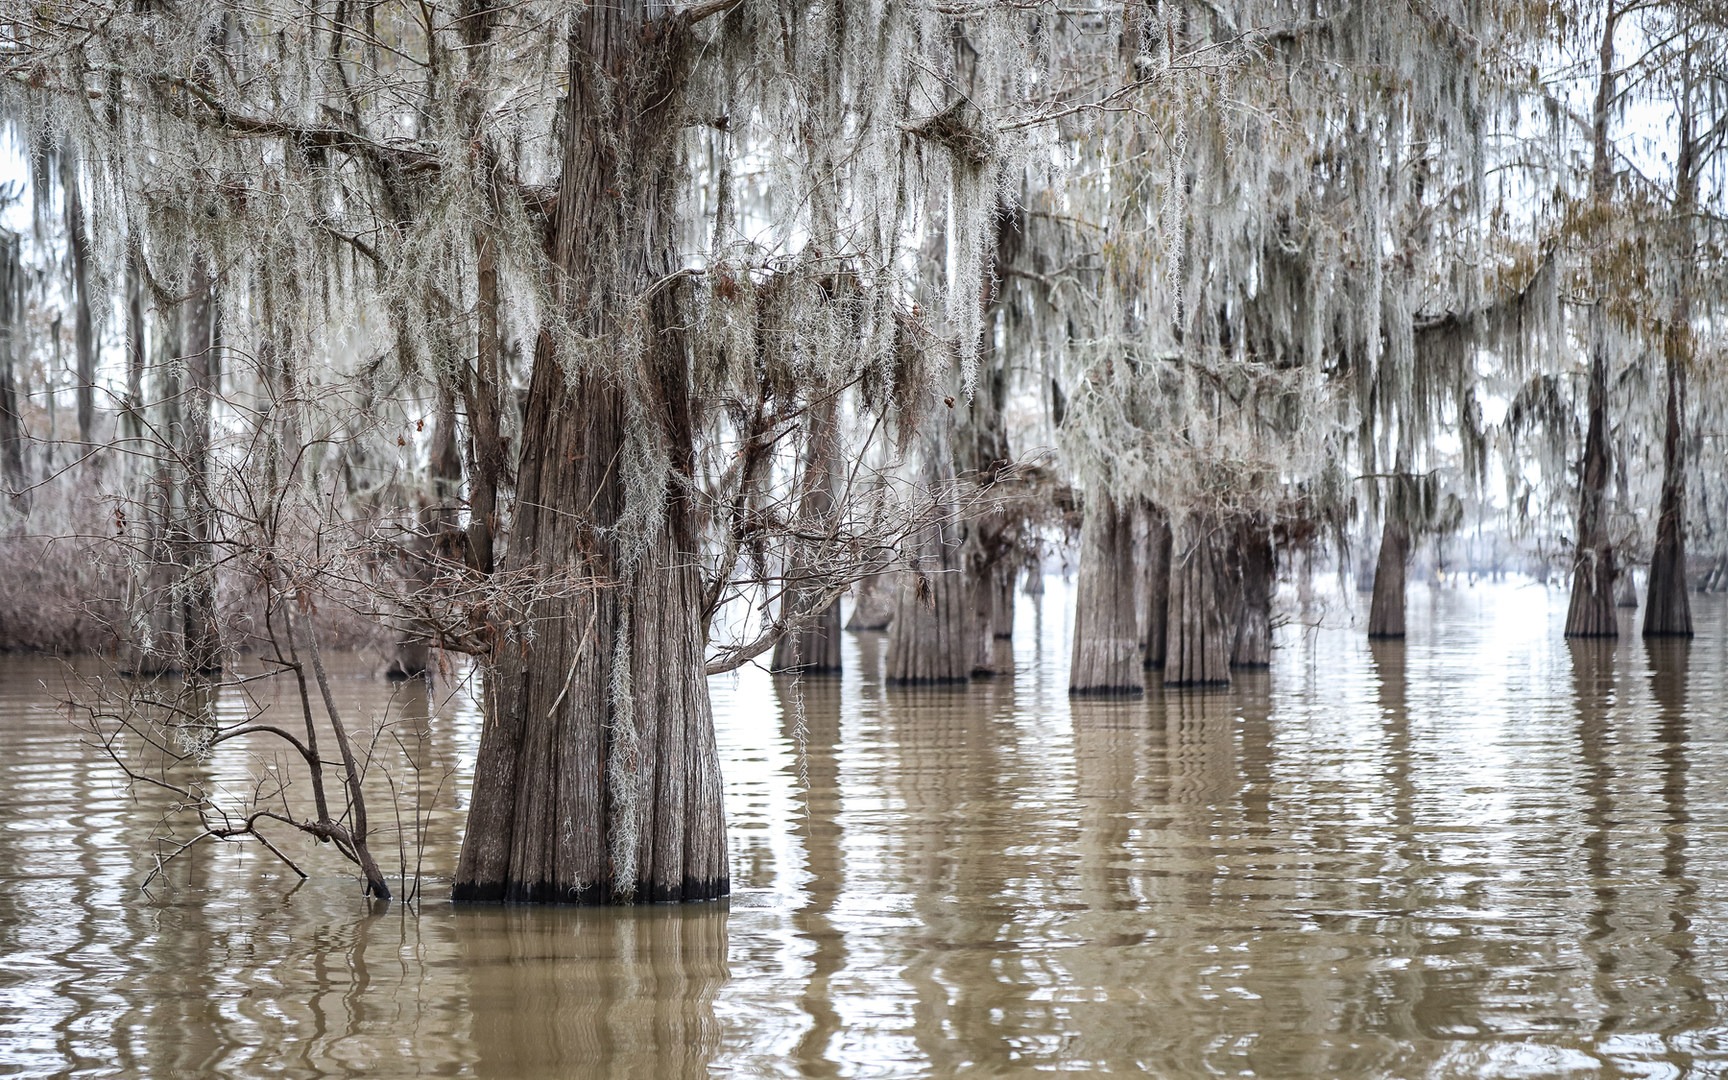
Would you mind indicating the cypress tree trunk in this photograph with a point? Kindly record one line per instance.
(1107, 656)
(1259, 569)
(1668, 611)
(992, 590)
(12, 284)
(201, 632)
(930, 639)
(1203, 598)
(1591, 612)
(481, 387)
(1002, 611)
(83, 327)
(1386, 611)
(813, 646)
(1668, 607)
(598, 779)
(1156, 614)
(152, 640)
(990, 539)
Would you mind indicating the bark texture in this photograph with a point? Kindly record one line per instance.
(1591, 612)
(598, 780)
(1107, 656)
(1203, 599)
(1668, 610)
(1386, 610)
(172, 623)
(1155, 619)
(1258, 568)
(83, 321)
(1668, 607)
(813, 643)
(195, 557)
(931, 637)
(12, 286)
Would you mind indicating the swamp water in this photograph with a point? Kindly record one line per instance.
(1486, 852)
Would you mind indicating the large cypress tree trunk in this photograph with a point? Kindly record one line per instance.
(1107, 658)
(1591, 612)
(1386, 610)
(1668, 608)
(990, 540)
(930, 639)
(1155, 617)
(1259, 570)
(598, 779)
(1203, 599)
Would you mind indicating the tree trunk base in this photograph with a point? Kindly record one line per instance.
(1203, 598)
(1386, 610)
(1259, 574)
(1107, 654)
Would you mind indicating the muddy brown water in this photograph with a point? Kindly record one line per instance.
(1486, 852)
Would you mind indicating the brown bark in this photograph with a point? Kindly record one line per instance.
(993, 617)
(1386, 610)
(1155, 618)
(202, 632)
(1668, 606)
(83, 326)
(931, 637)
(132, 428)
(992, 537)
(1668, 610)
(598, 779)
(1203, 598)
(153, 635)
(1258, 567)
(482, 386)
(11, 327)
(172, 622)
(1591, 611)
(813, 643)
(1107, 657)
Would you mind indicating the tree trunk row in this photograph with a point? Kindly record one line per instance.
(1206, 588)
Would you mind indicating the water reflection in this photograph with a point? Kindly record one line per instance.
(606, 993)
(1483, 851)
